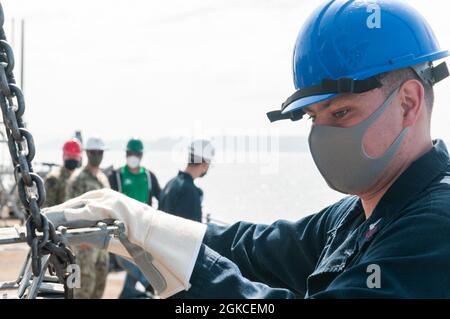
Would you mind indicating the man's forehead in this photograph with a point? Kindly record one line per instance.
(320, 106)
(323, 105)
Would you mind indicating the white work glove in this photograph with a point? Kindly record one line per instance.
(171, 243)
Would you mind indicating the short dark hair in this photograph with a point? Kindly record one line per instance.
(394, 79)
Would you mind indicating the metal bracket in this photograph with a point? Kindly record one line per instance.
(27, 286)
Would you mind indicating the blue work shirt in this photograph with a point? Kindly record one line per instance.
(331, 254)
(182, 198)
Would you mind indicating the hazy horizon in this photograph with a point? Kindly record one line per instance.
(168, 68)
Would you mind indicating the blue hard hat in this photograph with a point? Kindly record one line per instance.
(345, 44)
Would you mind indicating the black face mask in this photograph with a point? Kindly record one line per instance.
(71, 164)
(95, 158)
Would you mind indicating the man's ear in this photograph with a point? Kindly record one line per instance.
(412, 94)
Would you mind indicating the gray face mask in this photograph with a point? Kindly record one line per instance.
(340, 157)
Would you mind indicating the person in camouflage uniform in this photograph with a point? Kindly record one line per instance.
(56, 180)
(93, 262)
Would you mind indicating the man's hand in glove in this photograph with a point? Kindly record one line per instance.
(171, 243)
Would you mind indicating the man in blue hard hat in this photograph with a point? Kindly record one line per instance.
(368, 88)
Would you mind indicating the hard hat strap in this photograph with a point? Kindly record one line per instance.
(328, 86)
(426, 71)
(278, 116)
(431, 74)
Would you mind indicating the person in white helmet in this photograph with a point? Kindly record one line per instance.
(93, 262)
(181, 196)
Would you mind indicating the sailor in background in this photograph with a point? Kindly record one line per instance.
(133, 179)
(139, 183)
(93, 262)
(56, 180)
(181, 197)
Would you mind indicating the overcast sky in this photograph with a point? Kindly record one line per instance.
(158, 68)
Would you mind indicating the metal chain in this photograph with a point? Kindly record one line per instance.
(30, 185)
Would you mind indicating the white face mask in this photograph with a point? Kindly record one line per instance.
(133, 161)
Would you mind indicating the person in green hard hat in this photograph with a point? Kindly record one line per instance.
(133, 179)
(141, 184)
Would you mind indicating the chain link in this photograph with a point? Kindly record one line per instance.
(30, 185)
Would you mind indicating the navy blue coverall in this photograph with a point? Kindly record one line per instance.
(182, 198)
(327, 255)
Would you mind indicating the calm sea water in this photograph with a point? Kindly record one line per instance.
(243, 186)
